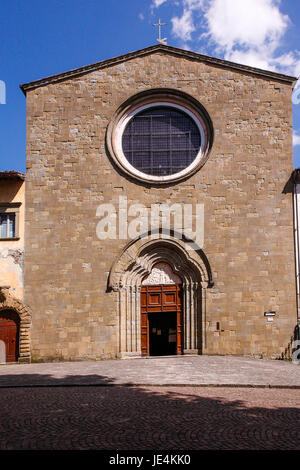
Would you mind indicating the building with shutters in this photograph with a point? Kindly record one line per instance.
(15, 317)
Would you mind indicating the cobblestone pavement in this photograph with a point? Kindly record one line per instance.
(155, 418)
(176, 370)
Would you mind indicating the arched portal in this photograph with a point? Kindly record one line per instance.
(136, 264)
(9, 335)
(15, 321)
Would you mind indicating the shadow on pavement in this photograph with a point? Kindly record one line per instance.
(71, 414)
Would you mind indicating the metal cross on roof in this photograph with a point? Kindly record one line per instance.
(160, 39)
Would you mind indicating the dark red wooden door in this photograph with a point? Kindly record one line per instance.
(9, 334)
(155, 301)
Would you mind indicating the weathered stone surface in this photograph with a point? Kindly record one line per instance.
(248, 237)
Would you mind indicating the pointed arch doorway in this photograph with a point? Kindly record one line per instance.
(127, 279)
(161, 313)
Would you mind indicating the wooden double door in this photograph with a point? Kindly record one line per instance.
(161, 320)
(9, 336)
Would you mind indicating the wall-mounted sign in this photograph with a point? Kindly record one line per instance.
(269, 314)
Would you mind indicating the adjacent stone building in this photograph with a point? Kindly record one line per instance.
(159, 218)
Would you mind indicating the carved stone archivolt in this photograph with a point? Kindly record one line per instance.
(9, 302)
(166, 259)
(161, 274)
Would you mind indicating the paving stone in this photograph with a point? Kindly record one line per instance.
(176, 370)
(149, 418)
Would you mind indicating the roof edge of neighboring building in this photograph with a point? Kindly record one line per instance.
(12, 175)
(158, 48)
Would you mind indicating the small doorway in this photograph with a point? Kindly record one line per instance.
(9, 336)
(162, 334)
(161, 320)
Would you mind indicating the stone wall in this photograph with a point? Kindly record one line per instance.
(248, 219)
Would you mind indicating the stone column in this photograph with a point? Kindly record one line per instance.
(129, 321)
(192, 316)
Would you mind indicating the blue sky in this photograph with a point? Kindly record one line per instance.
(42, 38)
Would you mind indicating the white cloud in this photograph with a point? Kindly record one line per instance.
(250, 23)
(250, 57)
(184, 26)
(194, 4)
(244, 31)
(296, 139)
(157, 3)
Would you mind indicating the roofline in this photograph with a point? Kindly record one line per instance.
(157, 48)
(12, 175)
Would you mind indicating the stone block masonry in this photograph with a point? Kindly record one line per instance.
(248, 235)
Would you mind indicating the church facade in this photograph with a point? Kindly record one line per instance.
(158, 215)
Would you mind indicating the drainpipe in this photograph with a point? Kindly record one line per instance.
(296, 201)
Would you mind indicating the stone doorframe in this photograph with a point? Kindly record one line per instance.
(135, 263)
(9, 302)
